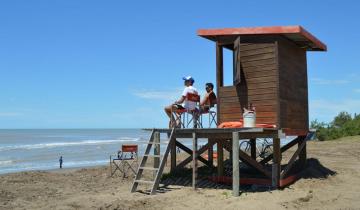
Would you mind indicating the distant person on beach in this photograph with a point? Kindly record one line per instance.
(61, 161)
(182, 103)
(209, 99)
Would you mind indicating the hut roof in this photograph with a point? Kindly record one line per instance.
(297, 34)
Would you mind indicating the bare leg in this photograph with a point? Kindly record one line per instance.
(168, 110)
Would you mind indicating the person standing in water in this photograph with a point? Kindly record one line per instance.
(61, 161)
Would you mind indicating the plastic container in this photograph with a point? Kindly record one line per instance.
(249, 118)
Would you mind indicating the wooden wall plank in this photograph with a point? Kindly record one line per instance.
(293, 91)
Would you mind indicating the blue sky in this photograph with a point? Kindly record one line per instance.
(115, 64)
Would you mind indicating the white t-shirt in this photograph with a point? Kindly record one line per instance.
(189, 104)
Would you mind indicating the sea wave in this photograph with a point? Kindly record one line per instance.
(6, 162)
(65, 144)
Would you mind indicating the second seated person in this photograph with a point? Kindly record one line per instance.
(209, 99)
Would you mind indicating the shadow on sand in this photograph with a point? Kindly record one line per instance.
(313, 170)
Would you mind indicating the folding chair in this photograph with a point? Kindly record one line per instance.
(211, 111)
(182, 115)
(126, 160)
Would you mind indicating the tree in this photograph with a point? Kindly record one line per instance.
(341, 119)
(315, 124)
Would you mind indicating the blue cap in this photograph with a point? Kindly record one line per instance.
(189, 78)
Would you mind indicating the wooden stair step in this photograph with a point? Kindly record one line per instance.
(165, 143)
(144, 181)
(149, 155)
(149, 168)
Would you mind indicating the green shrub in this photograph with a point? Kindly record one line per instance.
(342, 125)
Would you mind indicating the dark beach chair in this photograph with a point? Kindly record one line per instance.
(125, 161)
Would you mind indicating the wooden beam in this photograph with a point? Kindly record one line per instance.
(292, 159)
(220, 158)
(235, 160)
(276, 166)
(189, 151)
(302, 155)
(219, 74)
(210, 152)
(253, 148)
(194, 165)
(250, 162)
(283, 149)
(173, 156)
(156, 151)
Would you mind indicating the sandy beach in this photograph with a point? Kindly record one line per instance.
(331, 182)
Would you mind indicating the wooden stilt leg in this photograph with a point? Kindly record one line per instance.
(276, 163)
(231, 151)
(194, 166)
(302, 155)
(235, 161)
(210, 153)
(253, 148)
(220, 158)
(156, 151)
(173, 156)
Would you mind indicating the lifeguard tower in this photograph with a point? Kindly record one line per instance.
(269, 71)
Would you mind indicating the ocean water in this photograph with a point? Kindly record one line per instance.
(40, 149)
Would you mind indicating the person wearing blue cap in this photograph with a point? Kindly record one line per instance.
(182, 103)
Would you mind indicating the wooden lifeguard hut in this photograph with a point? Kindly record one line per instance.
(269, 71)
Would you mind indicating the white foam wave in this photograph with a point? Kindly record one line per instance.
(65, 144)
(85, 163)
(6, 162)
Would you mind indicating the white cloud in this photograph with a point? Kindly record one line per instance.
(10, 114)
(321, 81)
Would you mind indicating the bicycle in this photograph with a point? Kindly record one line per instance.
(263, 148)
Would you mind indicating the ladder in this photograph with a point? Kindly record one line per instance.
(158, 171)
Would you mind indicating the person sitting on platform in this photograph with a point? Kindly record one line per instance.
(182, 103)
(209, 99)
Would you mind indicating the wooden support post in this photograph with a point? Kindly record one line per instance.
(276, 163)
(110, 166)
(219, 75)
(173, 156)
(235, 161)
(210, 152)
(220, 158)
(194, 166)
(253, 148)
(156, 150)
(302, 155)
(230, 151)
